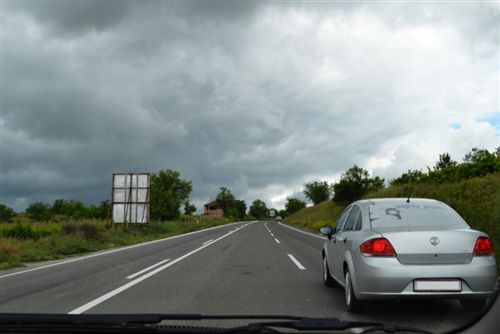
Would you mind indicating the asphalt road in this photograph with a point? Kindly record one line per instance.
(242, 268)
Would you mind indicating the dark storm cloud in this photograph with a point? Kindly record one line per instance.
(68, 18)
(217, 10)
(259, 97)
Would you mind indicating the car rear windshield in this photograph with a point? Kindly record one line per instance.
(414, 215)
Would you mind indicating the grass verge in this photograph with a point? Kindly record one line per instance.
(24, 242)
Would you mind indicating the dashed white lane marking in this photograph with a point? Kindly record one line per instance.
(297, 263)
(206, 242)
(130, 284)
(147, 269)
(277, 241)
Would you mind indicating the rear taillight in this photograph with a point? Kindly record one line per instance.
(377, 247)
(483, 246)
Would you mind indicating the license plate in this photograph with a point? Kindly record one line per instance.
(437, 285)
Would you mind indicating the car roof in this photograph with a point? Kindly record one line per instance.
(397, 200)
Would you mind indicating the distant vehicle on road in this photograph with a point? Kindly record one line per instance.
(394, 248)
(277, 219)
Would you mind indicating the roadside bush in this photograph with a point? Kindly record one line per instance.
(7, 249)
(26, 230)
(19, 231)
(86, 229)
(39, 212)
(70, 228)
(6, 213)
(90, 231)
(69, 245)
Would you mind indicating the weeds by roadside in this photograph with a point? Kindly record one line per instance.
(24, 242)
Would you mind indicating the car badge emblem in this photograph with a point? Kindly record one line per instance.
(434, 241)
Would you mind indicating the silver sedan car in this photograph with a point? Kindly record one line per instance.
(396, 248)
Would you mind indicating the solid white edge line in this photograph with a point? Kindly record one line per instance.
(116, 250)
(130, 284)
(206, 242)
(297, 263)
(306, 233)
(277, 241)
(147, 269)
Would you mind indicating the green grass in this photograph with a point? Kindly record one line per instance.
(476, 200)
(314, 217)
(23, 242)
(26, 230)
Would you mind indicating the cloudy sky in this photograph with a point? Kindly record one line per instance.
(257, 96)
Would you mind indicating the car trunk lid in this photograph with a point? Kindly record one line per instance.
(432, 246)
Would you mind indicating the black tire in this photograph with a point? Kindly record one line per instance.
(354, 305)
(473, 304)
(327, 277)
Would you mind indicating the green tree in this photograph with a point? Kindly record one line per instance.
(6, 213)
(72, 208)
(354, 184)
(58, 206)
(189, 208)
(375, 184)
(100, 211)
(293, 205)
(39, 212)
(475, 155)
(478, 162)
(317, 191)
(283, 213)
(168, 192)
(225, 194)
(444, 161)
(258, 209)
(412, 176)
(75, 209)
(235, 209)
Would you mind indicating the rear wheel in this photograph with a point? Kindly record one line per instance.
(354, 305)
(473, 304)
(327, 277)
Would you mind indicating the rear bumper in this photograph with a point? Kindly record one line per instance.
(377, 278)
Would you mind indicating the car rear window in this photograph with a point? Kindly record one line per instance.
(414, 215)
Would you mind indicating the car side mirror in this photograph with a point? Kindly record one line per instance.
(327, 230)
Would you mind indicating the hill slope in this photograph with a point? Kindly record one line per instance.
(476, 200)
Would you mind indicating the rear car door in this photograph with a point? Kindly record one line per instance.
(334, 251)
(349, 234)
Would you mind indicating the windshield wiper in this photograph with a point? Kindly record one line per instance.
(324, 324)
(131, 323)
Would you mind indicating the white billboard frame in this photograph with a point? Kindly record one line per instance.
(130, 198)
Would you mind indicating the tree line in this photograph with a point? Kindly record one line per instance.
(170, 193)
(476, 163)
(169, 199)
(356, 182)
